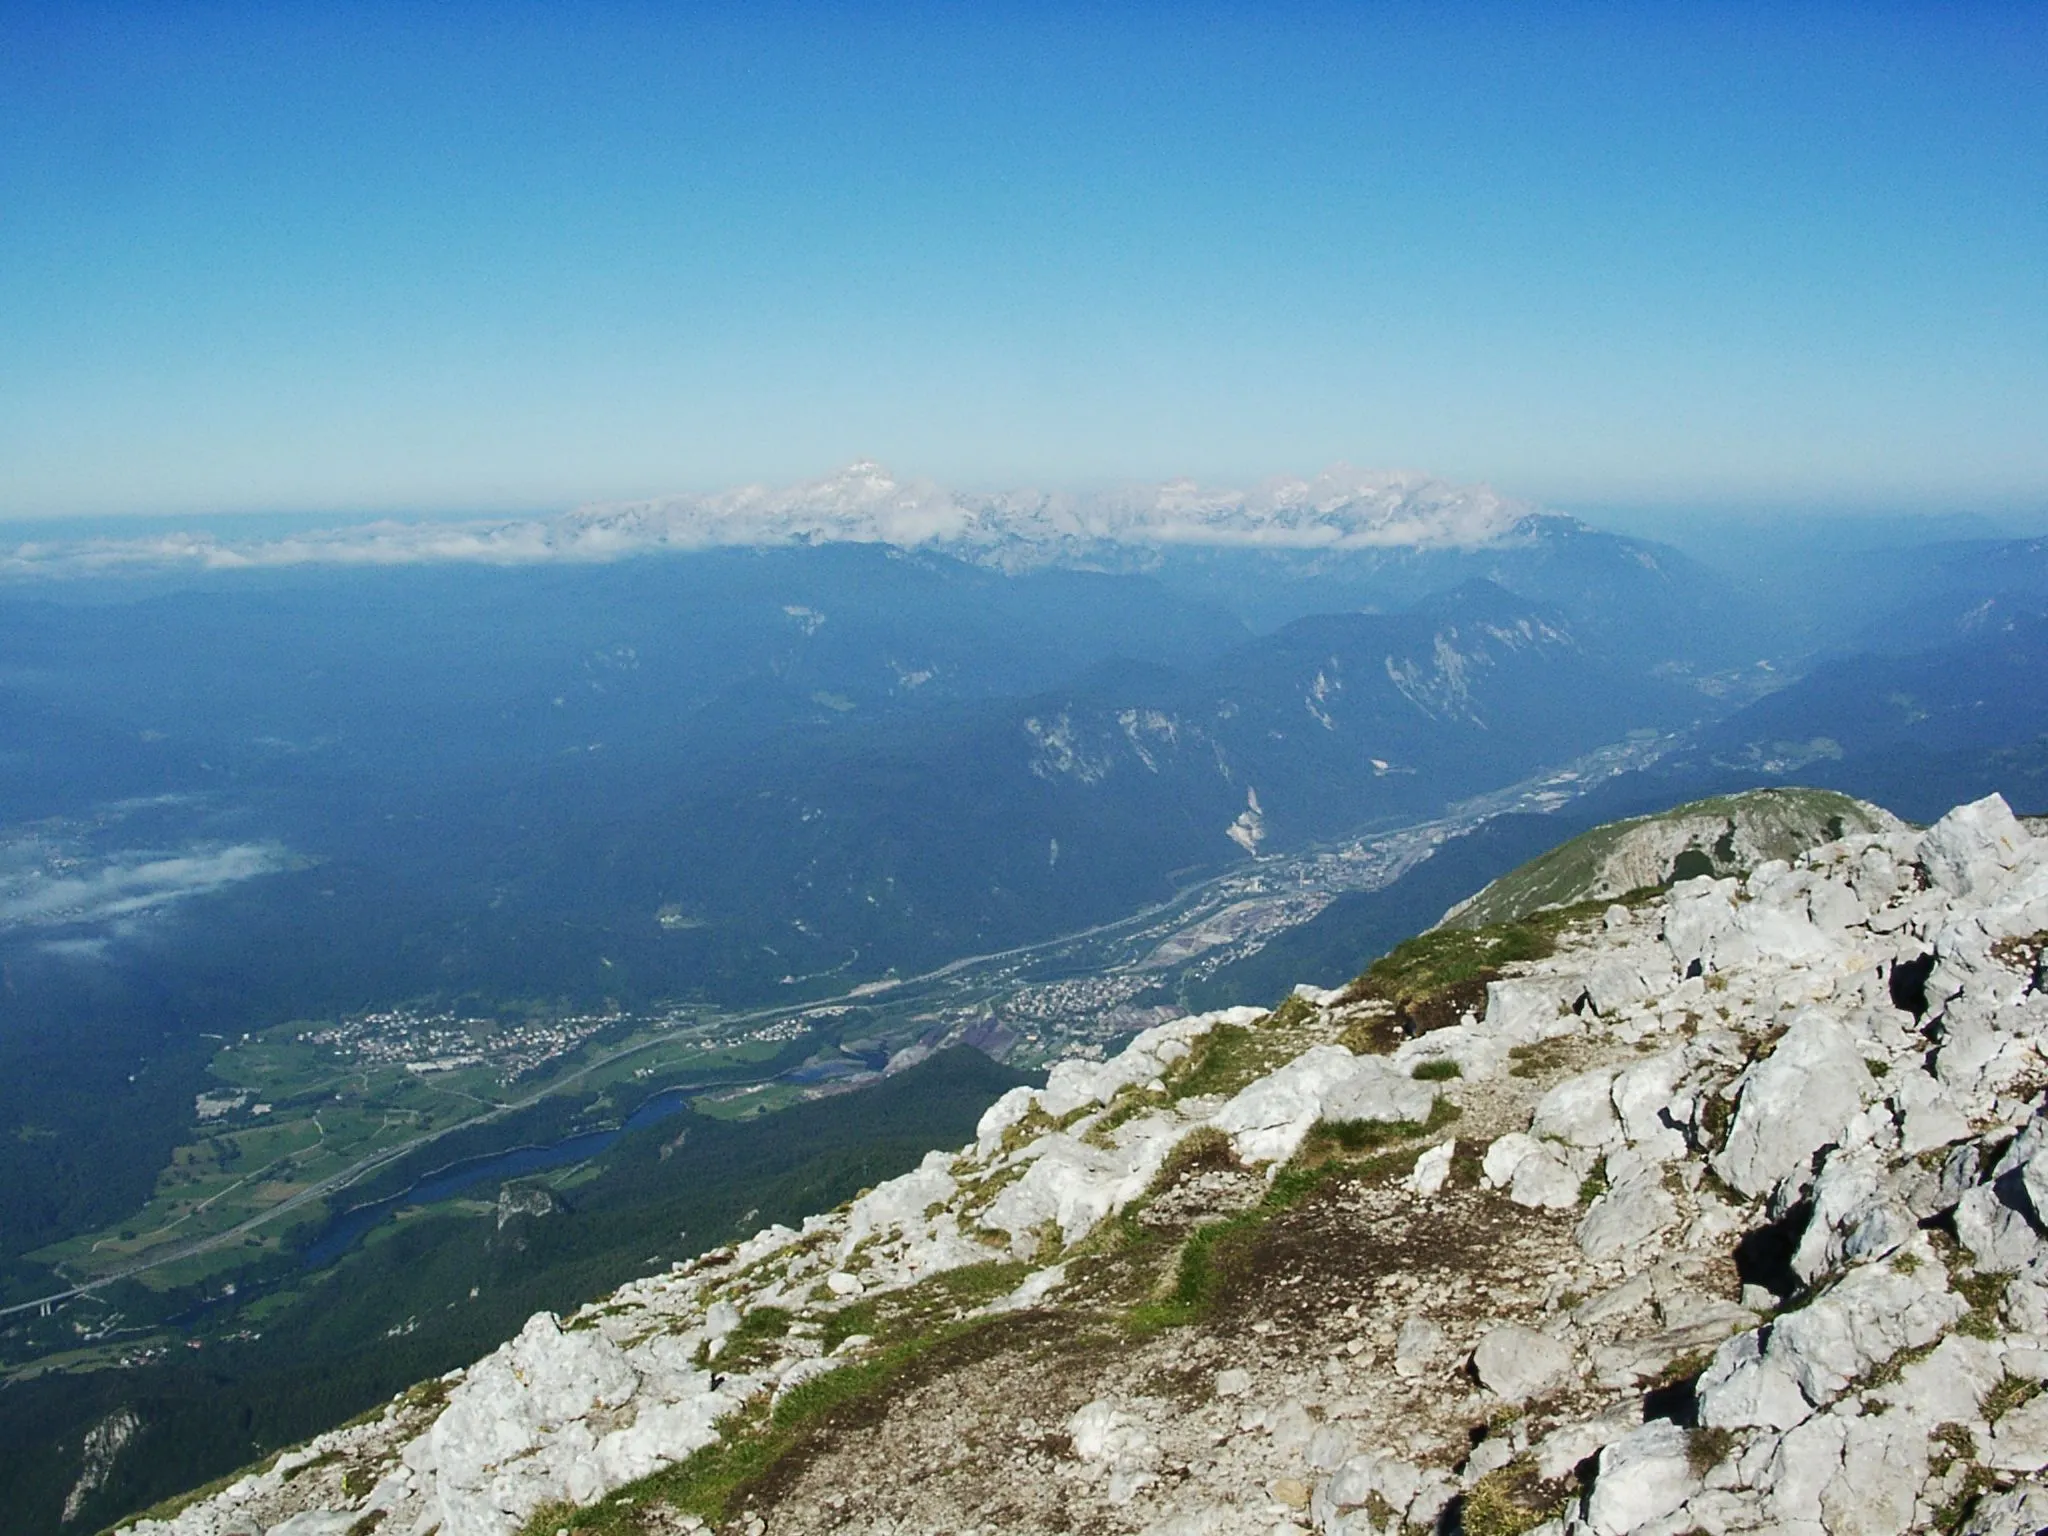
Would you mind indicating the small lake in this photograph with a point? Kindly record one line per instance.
(344, 1231)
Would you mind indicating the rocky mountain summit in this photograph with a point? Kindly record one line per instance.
(1720, 1208)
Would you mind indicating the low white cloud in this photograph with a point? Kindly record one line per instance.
(1341, 508)
(126, 885)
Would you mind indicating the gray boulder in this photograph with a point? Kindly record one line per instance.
(1999, 1236)
(1855, 1216)
(1539, 1174)
(1628, 1215)
(1807, 1358)
(1377, 1091)
(1519, 1363)
(2020, 1443)
(1847, 1476)
(1643, 1477)
(1974, 846)
(1794, 1103)
(1578, 1111)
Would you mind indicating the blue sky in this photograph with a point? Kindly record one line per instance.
(436, 257)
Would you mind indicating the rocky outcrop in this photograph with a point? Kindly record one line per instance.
(1742, 1225)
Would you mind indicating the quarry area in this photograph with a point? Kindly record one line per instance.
(1719, 1207)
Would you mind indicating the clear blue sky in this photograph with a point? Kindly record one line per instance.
(463, 256)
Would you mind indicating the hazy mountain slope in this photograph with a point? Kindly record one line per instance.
(1952, 593)
(1089, 801)
(967, 828)
(1644, 600)
(411, 748)
(1912, 733)
(399, 678)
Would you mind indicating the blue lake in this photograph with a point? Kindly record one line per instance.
(344, 1231)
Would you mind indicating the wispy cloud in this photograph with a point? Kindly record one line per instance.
(126, 885)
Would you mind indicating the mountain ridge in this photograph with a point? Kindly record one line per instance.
(1731, 1230)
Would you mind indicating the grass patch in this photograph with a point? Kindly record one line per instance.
(1687, 1367)
(1541, 1057)
(1706, 1447)
(1955, 1443)
(1437, 1071)
(1125, 1107)
(1435, 977)
(1890, 1371)
(754, 1341)
(1330, 1138)
(1509, 1501)
(324, 1459)
(1955, 1514)
(1213, 1252)
(1984, 1293)
(1233, 1056)
(2009, 1394)
(1204, 1147)
(1380, 1033)
(1292, 1013)
(895, 1317)
(1716, 1115)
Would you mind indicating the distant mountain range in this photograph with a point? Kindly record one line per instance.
(1342, 508)
(1345, 540)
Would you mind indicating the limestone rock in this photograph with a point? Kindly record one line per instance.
(1519, 1363)
(1627, 1215)
(1974, 846)
(1855, 1216)
(1643, 1477)
(1267, 1121)
(2020, 1511)
(1433, 1169)
(1794, 1103)
(1419, 1342)
(1535, 1173)
(2019, 1443)
(1578, 1111)
(1854, 1476)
